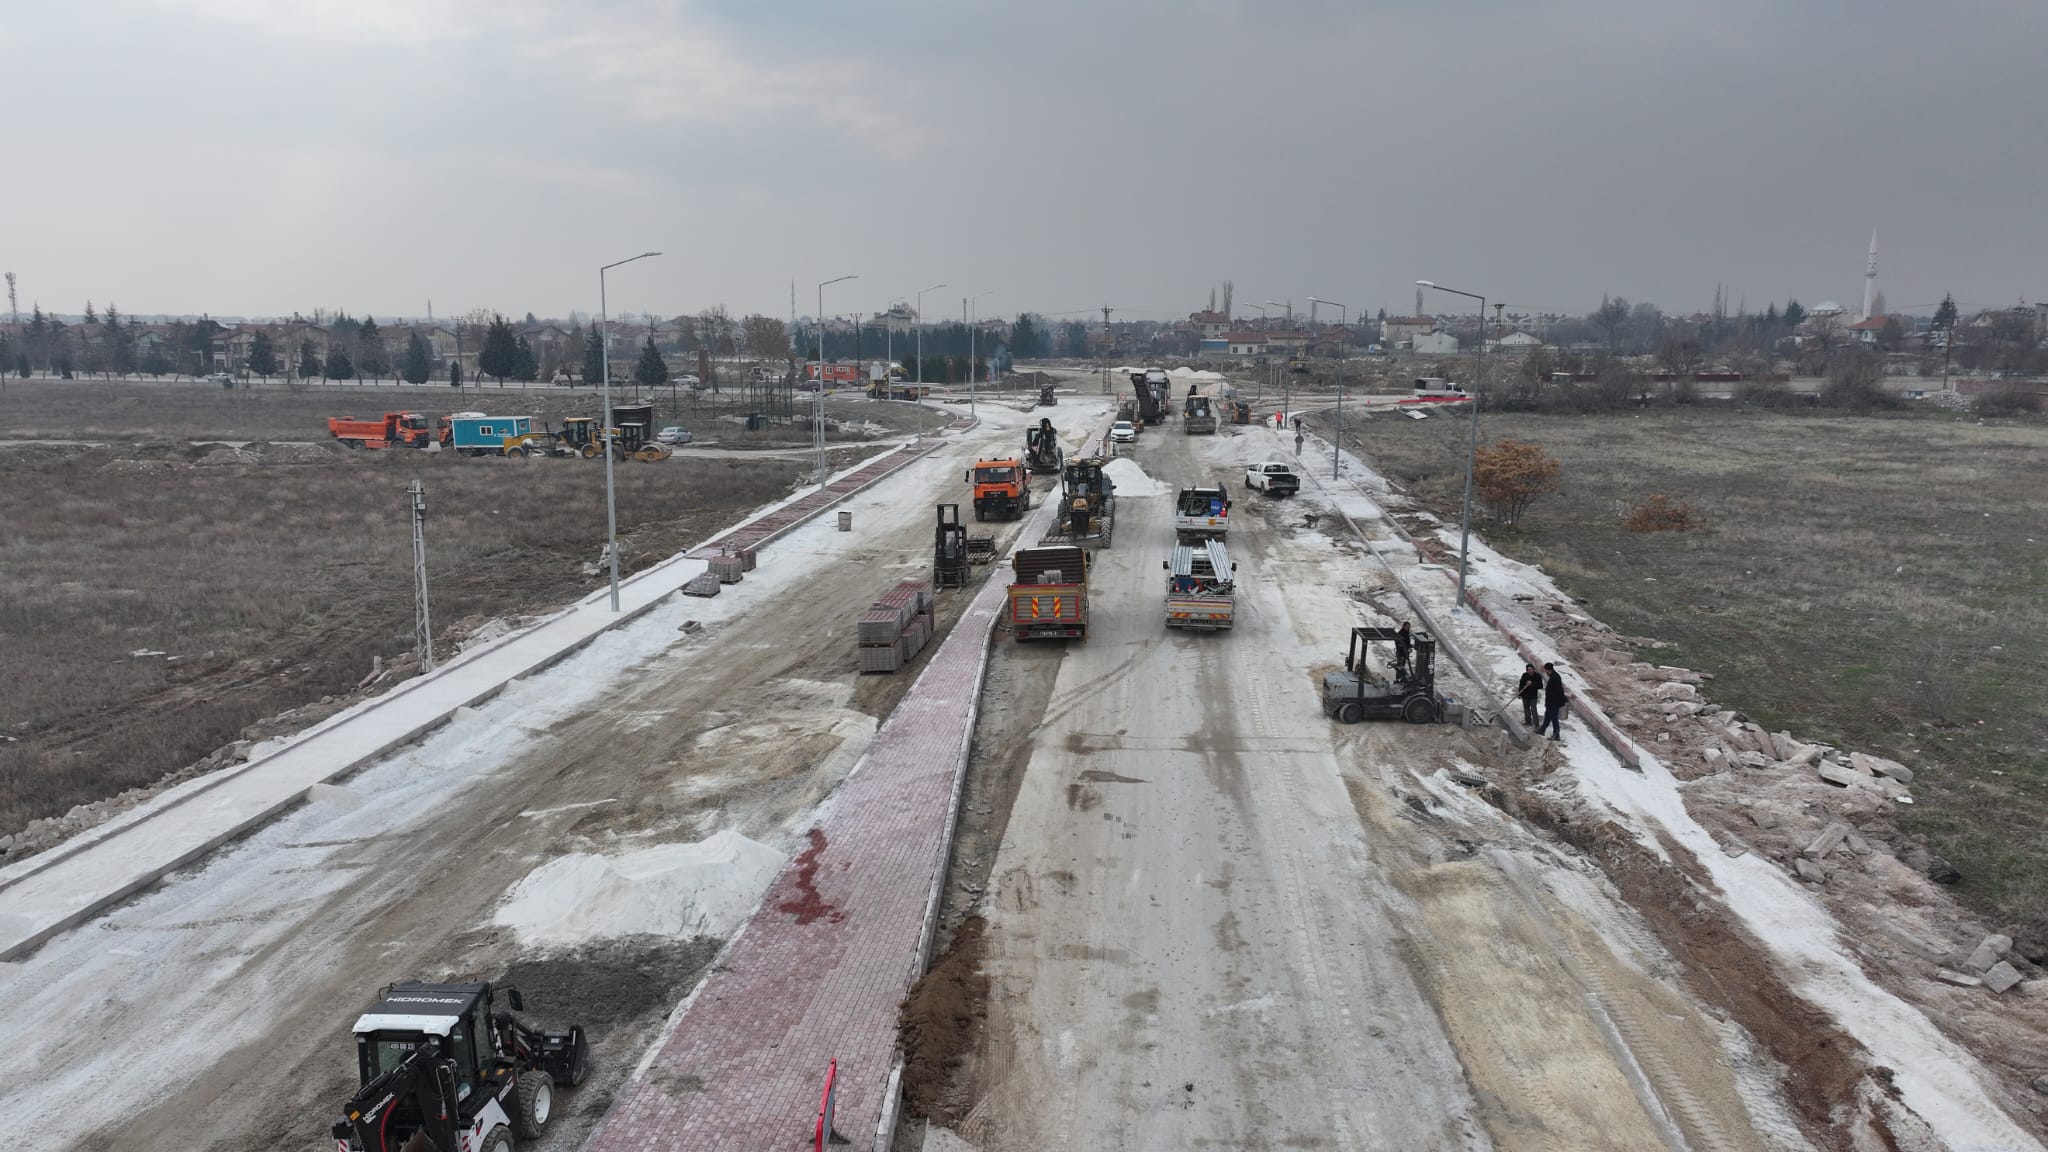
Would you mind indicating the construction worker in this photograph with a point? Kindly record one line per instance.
(1297, 442)
(1403, 645)
(1553, 703)
(1527, 691)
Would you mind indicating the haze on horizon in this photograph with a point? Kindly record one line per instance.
(255, 157)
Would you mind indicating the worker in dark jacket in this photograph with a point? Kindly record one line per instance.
(1530, 687)
(1553, 703)
(1403, 644)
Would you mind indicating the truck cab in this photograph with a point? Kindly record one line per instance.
(1000, 488)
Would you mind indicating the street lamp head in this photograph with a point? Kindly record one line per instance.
(1427, 283)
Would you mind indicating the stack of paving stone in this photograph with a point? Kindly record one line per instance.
(728, 569)
(895, 628)
(702, 584)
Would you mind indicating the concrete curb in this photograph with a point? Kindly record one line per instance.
(892, 1102)
(1592, 715)
(18, 938)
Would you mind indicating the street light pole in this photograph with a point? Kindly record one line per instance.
(1471, 445)
(818, 405)
(920, 356)
(973, 368)
(611, 502)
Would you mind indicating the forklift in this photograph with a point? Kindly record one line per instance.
(949, 550)
(444, 1071)
(1358, 693)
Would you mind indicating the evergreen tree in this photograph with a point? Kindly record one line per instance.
(339, 366)
(593, 357)
(373, 359)
(1945, 316)
(90, 316)
(1794, 313)
(418, 359)
(156, 363)
(455, 373)
(525, 366)
(309, 361)
(652, 369)
(1024, 337)
(263, 355)
(120, 339)
(500, 355)
(21, 367)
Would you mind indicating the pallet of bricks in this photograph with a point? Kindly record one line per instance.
(894, 629)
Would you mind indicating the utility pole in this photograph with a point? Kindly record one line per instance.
(1337, 450)
(422, 626)
(1107, 346)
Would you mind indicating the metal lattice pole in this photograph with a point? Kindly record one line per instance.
(422, 624)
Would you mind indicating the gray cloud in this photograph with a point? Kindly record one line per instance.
(213, 154)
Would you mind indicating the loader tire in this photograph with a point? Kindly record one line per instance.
(1350, 713)
(499, 1140)
(534, 1097)
(1418, 711)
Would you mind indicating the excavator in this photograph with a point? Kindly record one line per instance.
(443, 1070)
(1042, 452)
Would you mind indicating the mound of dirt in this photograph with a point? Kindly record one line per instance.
(601, 986)
(936, 1025)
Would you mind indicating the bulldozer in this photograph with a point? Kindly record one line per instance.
(444, 1070)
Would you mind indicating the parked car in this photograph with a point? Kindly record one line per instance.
(673, 434)
(220, 378)
(689, 380)
(1273, 478)
(1123, 432)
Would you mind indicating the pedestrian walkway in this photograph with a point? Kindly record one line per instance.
(781, 519)
(819, 972)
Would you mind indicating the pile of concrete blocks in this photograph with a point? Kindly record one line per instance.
(749, 558)
(702, 584)
(728, 569)
(894, 629)
(1990, 966)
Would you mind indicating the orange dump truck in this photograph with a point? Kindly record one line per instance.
(1049, 593)
(396, 429)
(1001, 488)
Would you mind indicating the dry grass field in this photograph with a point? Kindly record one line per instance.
(1875, 583)
(128, 410)
(159, 600)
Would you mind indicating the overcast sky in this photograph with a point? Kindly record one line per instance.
(260, 156)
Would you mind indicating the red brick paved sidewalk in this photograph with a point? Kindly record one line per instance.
(819, 972)
(770, 525)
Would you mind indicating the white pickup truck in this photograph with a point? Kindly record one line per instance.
(1272, 477)
(1201, 514)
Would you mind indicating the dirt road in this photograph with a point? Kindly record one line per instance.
(213, 1011)
(1218, 919)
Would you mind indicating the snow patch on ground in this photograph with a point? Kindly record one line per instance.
(677, 890)
(1131, 480)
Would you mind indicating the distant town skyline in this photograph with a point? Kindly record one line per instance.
(371, 155)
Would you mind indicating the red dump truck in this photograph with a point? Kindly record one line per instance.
(1049, 593)
(396, 429)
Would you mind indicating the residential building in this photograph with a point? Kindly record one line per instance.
(1395, 330)
(1246, 343)
(1516, 341)
(1209, 325)
(1433, 344)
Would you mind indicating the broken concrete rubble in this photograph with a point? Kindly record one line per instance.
(2001, 977)
(1838, 775)
(1990, 950)
(1959, 979)
(1829, 839)
(1879, 766)
(1809, 871)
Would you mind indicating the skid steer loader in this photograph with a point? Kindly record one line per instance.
(443, 1070)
